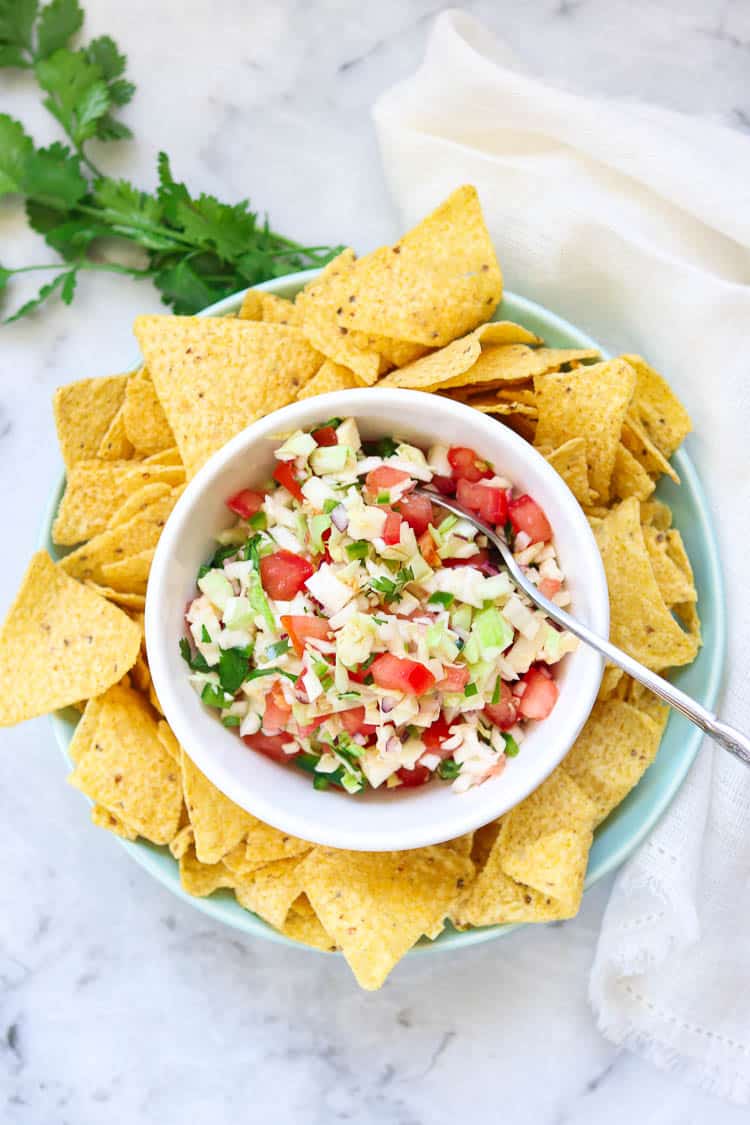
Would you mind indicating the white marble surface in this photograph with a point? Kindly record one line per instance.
(118, 1002)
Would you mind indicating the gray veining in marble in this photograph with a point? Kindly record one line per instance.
(119, 1003)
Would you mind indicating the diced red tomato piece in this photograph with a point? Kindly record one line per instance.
(398, 673)
(504, 713)
(283, 474)
(272, 745)
(549, 587)
(466, 464)
(326, 435)
(436, 734)
(445, 485)
(354, 722)
(411, 778)
(312, 726)
(490, 504)
(417, 511)
(358, 675)
(382, 479)
(392, 529)
(277, 712)
(455, 679)
(283, 574)
(428, 549)
(245, 503)
(540, 695)
(526, 515)
(300, 627)
(481, 560)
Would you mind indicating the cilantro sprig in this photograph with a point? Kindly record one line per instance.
(195, 249)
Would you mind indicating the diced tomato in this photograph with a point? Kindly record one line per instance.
(283, 474)
(326, 435)
(466, 464)
(354, 722)
(455, 679)
(398, 673)
(490, 504)
(392, 529)
(540, 695)
(428, 549)
(445, 485)
(283, 574)
(358, 675)
(549, 587)
(504, 713)
(312, 726)
(277, 712)
(526, 515)
(300, 627)
(383, 478)
(245, 503)
(411, 778)
(417, 511)
(435, 736)
(272, 745)
(481, 560)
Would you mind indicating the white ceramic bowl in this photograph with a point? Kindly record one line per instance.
(377, 820)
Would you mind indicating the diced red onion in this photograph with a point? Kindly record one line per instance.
(393, 745)
(340, 517)
(387, 704)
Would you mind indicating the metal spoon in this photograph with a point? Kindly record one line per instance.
(726, 736)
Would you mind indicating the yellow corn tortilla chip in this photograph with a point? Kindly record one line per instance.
(629, 478)
(644, 700)
(142, 498)
(219, 824)
(317, 305)
(569, 461)
(216, 375)
(141, 533)
(664, 418)
(169, 456)
(375, 906)
(331, 377)
(94, 492)
(263, 843)
(239, 864)
(83, 735)
(202, 879)
(125, 599)
(182, 841)
(131, 574)
(495, 899)
(437, 368)
(252, 306)
(655, 513)
(145, 422)
(168, 740)
(307, 930)
(278, 310)
(83, 413)
(514, 363)
(612, 752)
(270, 891)
(60, 643)
(589, 402)
(637, 441)
(127, 771)
(640, 621)
(506, 409)
(675, 579)
(610, 681)
(103, 818)
(115, 445)
(438, 282)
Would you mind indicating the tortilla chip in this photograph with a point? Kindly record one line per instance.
(127, 770)
(60, 643)
(141, 533)
(640, 621)
(610, 681)
(125, 599)
(270, 891)
(202, 879)
(654, 513)
(184, 840)
(130, 574)
(331, 377)
(307, 930)
(514, 363)
(375, 906)
(83, 413)
(278, 310)
(664, 418)
(264, 844)
(146, 423)
(439, 367)
(646, 702)
(85, 732)
(590, 402)
(168, 740)
(95, 491)
(216, 375)
(437, 283)
(169, 456)
(612, 752)
(142, 498)
(252, 306)
(218, 823)
(569, 461)
(103, 818)
(115, 445)
(674, 578)
(495, 899)
(629, 478)
(318, 303)
(637, 441)
(503, 409)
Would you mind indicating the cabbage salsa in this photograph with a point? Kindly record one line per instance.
(346, 627)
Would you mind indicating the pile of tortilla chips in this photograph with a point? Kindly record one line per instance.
(411, 315)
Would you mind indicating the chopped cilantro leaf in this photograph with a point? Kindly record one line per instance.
(449, 769)
(441, 598)
(386, 447)
(205, 635)
(231, 720)
(233, 668)
(258, 672)
(511, 746)
(470, 690)
(213, 696)
(194, 660)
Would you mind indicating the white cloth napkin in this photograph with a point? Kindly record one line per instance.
(633, 222)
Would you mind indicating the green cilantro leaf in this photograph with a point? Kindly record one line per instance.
(103, 52)
(17, 22)
(58, 23)
(15, 150)
(449, 769)
(53, 177)
(194, 660)
(11, 56)
(60, 282)
(77, 94)
(233, 668)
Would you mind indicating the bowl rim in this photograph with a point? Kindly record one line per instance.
(221, 906)
(311, 818)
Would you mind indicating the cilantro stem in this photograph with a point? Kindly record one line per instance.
(91, 267)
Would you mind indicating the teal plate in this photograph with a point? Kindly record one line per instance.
(631, 822)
